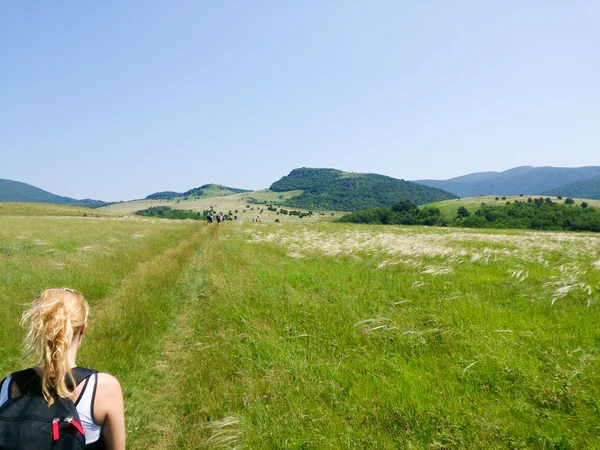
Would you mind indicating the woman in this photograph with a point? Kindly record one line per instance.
(56, 323)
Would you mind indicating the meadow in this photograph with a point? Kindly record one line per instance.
(322, 335)
(248, 206)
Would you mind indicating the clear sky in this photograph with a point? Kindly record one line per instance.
(115, 100)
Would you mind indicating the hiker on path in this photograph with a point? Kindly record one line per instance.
(56, 323)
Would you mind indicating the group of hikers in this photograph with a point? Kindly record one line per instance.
(220, 217)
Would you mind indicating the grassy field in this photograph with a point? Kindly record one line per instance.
(48, 209)
(321, 335)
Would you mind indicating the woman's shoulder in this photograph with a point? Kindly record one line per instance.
(108, 404)
(107, 382)
(108, 388)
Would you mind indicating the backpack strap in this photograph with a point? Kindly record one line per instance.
(30, 383)
(5, 390)
(80, 374)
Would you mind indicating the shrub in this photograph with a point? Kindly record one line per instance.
(462, 212)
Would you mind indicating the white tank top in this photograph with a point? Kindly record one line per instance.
(85, 409)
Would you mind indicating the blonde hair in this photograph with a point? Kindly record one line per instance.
(52, 321)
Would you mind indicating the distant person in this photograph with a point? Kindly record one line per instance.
(209, 218)
(56, 323)
(219, 218)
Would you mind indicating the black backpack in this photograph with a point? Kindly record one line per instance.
(27, 422)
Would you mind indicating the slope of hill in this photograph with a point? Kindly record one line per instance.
(520, 180)
(16, 191)
(204, 191)
(589, 188)
(345, 191)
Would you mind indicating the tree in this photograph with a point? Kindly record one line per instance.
(462, 212)
(403, 206)
(584, 204)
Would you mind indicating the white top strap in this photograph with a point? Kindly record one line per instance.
(4, 392)
(85, 409)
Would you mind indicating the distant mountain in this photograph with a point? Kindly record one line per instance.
(16, 191)
(348, 191)
(589, 188)
(520, 180)
(204, 191)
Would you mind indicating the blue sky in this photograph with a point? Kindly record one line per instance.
(115, 100)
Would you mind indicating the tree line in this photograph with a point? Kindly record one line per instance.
(534, 214)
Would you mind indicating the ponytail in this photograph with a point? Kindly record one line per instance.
(52, 321)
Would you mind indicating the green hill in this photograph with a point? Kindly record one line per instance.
(347, 191)
(519, 180)
(16, 191)
(589, 188)
(204, 191)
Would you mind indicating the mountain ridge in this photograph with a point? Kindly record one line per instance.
(588, 188)
(581, 182)
(518, 180)
(17, 191)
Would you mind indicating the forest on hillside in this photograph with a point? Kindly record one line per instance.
(336, 190)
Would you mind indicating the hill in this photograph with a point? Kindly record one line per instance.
(16, 191)
(348, 191)
(204, 191)
(516, 181)
(589, 188)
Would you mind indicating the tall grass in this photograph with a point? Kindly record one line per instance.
(330, 335)
(336, 351)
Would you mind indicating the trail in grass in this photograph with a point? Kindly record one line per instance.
(128, 330)
(171, 412)
(157, 422)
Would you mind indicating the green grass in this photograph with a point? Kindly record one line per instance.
(318, 335)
